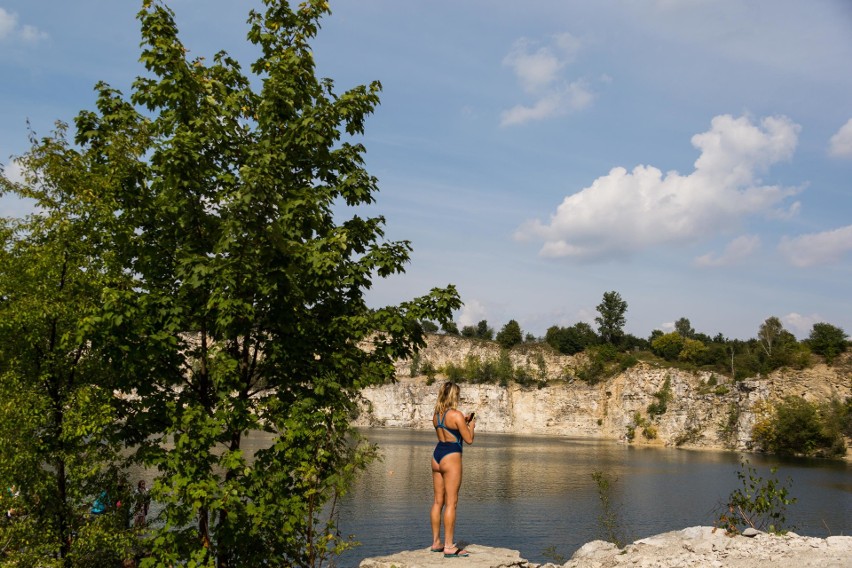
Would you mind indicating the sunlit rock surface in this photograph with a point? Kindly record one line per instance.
(694, 546)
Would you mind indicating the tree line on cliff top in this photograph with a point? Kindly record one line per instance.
(773, 348)
(194, 271)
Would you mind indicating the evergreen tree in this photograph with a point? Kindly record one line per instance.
(510, 335)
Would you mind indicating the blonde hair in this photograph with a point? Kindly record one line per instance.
(448, 398)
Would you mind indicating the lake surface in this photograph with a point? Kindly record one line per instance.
(534, 493)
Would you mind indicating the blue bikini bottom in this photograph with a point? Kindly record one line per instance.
(445, 449)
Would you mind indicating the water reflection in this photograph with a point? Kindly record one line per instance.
(532, 492)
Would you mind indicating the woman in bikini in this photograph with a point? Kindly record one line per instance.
(452, 428)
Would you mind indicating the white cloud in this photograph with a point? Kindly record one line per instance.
(800, 325)
(8, 23)
(572, 97)
(736, 252)
(539, 70)
(840, 144)
(11, 205)
(624, 212)
(11, 29)
(472, 313)
(14, 172)
(817, 248)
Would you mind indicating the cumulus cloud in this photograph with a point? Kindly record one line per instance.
(540, 72)
(800, 325)
(840, 144)
(625, 212)
(472, 313)
(11, 29)
(737, 251)
(817, 248)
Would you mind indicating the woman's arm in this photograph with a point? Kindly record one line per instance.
(465, 428)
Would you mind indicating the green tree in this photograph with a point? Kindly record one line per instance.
(450, 328)
(483, 331)
(796, 426)
(571, 340)
(693, 351)
(429, 326)
(668, 346)
(224, 208)
(769, 333)
(611, 320)
(827, 340)
(468, 331)
(684, 328)
(58, 444)
(510, 335)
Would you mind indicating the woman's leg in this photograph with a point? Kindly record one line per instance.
(451, 471)
(437, 505)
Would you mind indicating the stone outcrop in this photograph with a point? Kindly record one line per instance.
(705, 410)
(480, 557)
(694, 546)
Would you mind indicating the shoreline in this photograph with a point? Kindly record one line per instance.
(693, 546)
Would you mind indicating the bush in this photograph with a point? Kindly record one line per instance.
(795, 426)
(510, 335)
(760, 504)
(827, 340)
(663, 396)
(571, 340)
(610, 518)
(693, 351)
(414, 368)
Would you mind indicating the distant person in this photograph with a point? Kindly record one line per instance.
(141, 502)
(452, 428)
(14, 493)
(99, 507)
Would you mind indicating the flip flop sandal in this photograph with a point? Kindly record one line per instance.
(437, 549)
(457, 553)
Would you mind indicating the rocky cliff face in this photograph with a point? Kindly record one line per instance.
(705, 410)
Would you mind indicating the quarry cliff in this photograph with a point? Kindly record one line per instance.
(702, 409)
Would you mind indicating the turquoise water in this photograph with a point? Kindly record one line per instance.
(534, 493)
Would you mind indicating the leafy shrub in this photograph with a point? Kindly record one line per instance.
(795, 426)
(625, 361)
(668, 346)
(610, 517)
(693, 351)
(602, 362)
(414, 368)
(428, 368)
(663, 396)
(827, 340)
(760, 503)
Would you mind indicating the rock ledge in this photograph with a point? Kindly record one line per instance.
(694, 546)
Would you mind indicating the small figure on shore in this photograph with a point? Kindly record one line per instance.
(452, 428)
(141, 501)
(14, 493)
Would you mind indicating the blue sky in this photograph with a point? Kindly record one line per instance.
(693, 155)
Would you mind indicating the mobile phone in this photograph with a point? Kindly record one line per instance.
(472, 414)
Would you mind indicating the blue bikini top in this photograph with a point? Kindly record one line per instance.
(452, 431)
